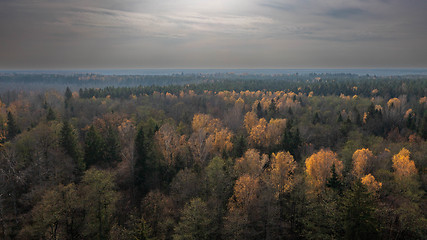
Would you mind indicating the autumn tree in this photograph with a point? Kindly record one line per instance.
(318, 167)
(262, 134)
(281, 172)
(371, 184)
(402, 165)
(200, 147)
(251, 163)
(274, 132)
(362, 162)
(170, 144)
(250, 121)
(209, 138)
(257, 134)
(241, 208)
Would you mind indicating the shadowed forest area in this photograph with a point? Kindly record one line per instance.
(213, 156)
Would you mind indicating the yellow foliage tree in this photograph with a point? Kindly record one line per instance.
(169, 144)
(257, 133)
(281, 173)
(209, 137)
(250, 121)
(361, 161)
(318, 167)
(221, 140)
(402, 165)
(274, 131)
(393, 102)
(206, 122)
(245, 193)
(251, 163)
(239, 104)
(371, 184)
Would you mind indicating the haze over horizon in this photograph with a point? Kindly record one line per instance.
(102, 34)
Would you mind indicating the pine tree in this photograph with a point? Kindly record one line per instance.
(141, 158)
(334, 182)
(12, 128)
(291, 141)
(316, 118)
(50, 115)
(339, 120)
(68, 96)
(423, 127)
(70, 144)
(239, 146)
(259, 110)
(112, 146)
(94, 146)
(271, 113)
(358, 212)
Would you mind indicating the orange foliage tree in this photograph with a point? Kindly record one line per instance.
(402, 165)
(257, 133)
(245, 193)
(318, 167)
(282, 170)
(371, 184)
(250, 121)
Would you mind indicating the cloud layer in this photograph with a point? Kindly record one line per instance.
(212, 34)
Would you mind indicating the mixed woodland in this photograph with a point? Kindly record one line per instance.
(219, 156)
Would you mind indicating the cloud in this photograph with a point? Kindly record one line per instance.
(348, 12)
(170, 33)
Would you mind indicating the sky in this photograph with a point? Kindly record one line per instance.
(102, 34)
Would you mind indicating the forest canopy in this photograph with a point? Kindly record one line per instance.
(213, 156)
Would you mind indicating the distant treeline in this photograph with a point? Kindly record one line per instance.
(323, 84)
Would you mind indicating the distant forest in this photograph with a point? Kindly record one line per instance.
(213, 156)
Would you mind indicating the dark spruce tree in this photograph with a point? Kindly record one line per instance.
(12, 128)
(94, 146)
(69, 142)
(358, 213)
(68, 96)
(50, 115)
(423, 127)
(141, 170)
(334, 182)
(239, 146)
(291, 141)
(112, 146)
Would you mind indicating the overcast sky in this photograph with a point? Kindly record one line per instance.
(61, 34)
